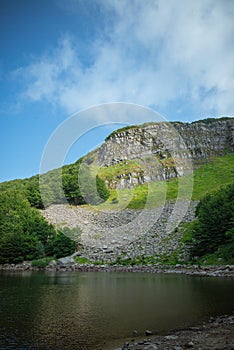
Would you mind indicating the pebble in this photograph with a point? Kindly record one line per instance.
(150, 347)
(171, 337)
(147, 332)
(190, 345)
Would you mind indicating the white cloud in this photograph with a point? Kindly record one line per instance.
(151, 53)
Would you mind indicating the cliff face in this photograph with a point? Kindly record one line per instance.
(164, 150)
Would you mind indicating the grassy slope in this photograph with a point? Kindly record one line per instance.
(209, 177)
(218, 172)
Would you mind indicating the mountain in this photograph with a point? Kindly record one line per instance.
(156, 173)
(134, 190)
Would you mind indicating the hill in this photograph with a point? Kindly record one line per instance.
(163, 168)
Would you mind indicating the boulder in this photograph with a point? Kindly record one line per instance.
(148, 333)
(66, 261)
(52, 263)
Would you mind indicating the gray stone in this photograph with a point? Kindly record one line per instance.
(148, 333)
(171, 337)
(52, 263)
(66, 261)
(190, 345)
(150, 347)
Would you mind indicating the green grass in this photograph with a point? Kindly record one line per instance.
(82, 260)
(121, 168)
(209, 177)
(148, 260)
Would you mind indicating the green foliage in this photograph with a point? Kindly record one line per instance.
(213, 231)
(211, 120)
(60, 245)
(41, 262)
(71, 186)
(81, 187)
(148, 260)
(32, 191)
(123, 167)
(223, 255)
(102, 190)
(207, 178)
(59, 185)
(82, 260)
(25, 234)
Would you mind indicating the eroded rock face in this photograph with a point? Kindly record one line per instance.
(165, 150)
(197, 140)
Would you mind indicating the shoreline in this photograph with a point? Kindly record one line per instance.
(194, 270)
(217, 333)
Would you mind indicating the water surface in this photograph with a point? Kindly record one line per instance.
(41, 310)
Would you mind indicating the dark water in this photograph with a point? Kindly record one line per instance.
(100, 310)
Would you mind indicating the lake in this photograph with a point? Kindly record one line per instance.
(71, 310)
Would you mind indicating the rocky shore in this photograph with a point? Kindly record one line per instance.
(218, 333)
(64, 266)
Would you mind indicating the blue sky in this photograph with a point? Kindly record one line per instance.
(59, 57)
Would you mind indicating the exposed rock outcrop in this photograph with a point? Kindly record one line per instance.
(164, 150)
(198, 140)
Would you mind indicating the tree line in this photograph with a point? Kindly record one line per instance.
(72, 183)
(24, 233)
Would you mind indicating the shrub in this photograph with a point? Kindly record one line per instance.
(41, 262)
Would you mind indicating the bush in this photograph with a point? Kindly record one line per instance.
(41, 262)
(82, 260)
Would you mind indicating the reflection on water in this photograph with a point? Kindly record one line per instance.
(93, 310)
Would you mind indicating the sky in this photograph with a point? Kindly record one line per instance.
(59, 58)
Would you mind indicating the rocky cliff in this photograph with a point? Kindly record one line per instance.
(164, 150)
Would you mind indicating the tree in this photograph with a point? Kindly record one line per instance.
(102, 190)
(214, 225)
(61, 244)
(93, 189)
